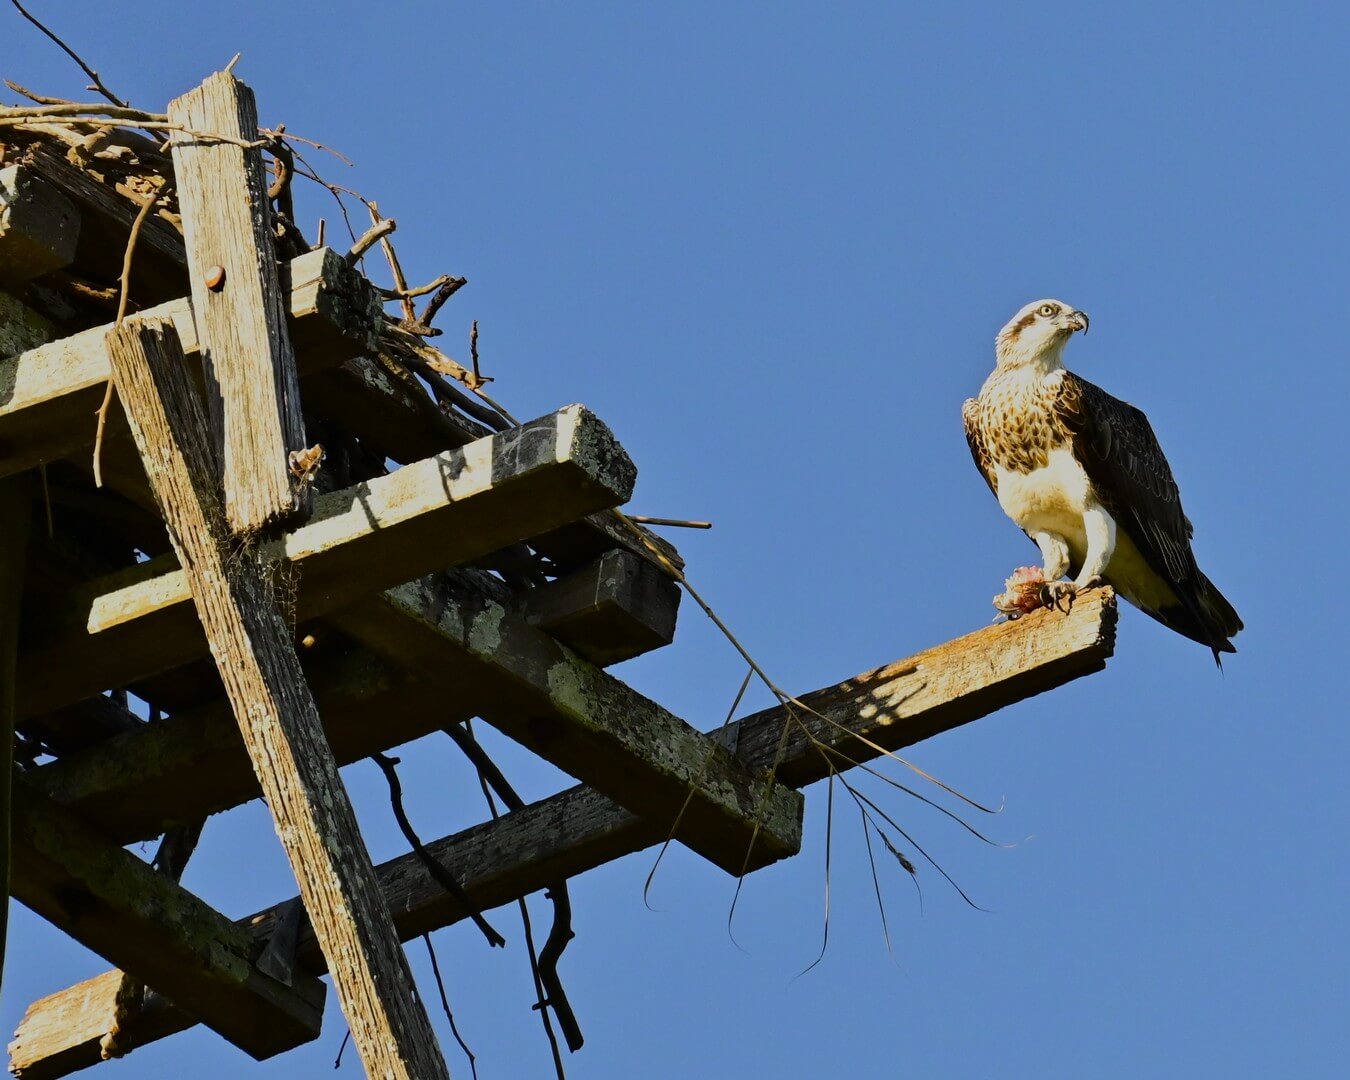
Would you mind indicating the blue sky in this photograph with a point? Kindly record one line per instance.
(771, 245)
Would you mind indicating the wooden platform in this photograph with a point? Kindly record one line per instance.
(300, 557)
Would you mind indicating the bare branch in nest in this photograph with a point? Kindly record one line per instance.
(674, 522)
(123, 297)
(368, 239)
(395, 267)
(447, 290)
(98, 83)
(40, 99)
(280, 132)
(443, 877)
(421, 290)
(445, 1007)
(544, 965)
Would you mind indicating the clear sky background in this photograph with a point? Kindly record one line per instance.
(771, 246)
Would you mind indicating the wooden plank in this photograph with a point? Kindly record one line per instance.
(579, 829)
(586, 722)
(251, 646)
(15, 513)
(252, 386)
(39, 226)
(63, 1032)
(117, 905)
(48, 394)
(436, 513)
(617, 607)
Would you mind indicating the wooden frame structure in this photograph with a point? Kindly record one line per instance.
(199, 575)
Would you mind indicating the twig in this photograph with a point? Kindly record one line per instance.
(421, 290)
(40, 99)
(445, 1007)
(675, 522)
(443, 877)
(122, 301)
(309, 142)
(395, 268)
(543, 965)
(367, 239)
(98, 83)
(435, 304)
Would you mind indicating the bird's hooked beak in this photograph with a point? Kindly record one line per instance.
(1077, 320)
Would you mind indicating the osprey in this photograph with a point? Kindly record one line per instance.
(1082, 474)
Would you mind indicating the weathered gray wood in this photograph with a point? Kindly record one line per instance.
(48, 394)
(15, 512)
(613, 609)
(39, 226)
(117, 905)
(588, 723)
(435, 513)
(252, 386)
(276, 714)
(579, 829)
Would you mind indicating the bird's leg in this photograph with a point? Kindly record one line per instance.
(1101, 545)
(1055, 551)
(1100, 528)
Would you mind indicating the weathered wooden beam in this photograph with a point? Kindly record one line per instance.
(139, 783)
(63, 1032)
(579, 829)
(49, 394)
(583, 720)
(435, 513)
(393, 413)
(251, 646)
(117, 905)
(613, 609)
(39, 226)
(15, 511)
(142, 779)
(252, 385)
(158, 272)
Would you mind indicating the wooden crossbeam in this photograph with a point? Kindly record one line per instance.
(142, 779)
(38, 226)
(117, 905)
(614, 608)
(252, 384)
(588, 723)
(277, 718)
(445, 510)
(48, 395)
(579, 829)
(185, 767)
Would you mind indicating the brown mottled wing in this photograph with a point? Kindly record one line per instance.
(1116, 446)
(970, 416)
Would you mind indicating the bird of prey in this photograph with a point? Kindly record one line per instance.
(1082, 474)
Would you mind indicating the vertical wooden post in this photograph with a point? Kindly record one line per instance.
(253, 395)
(15, 511)
(275, 711)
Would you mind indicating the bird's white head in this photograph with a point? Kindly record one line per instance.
(1037, 334)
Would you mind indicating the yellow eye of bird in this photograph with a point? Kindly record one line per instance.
(1048, 309)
